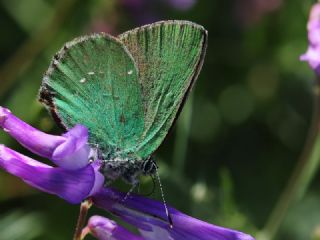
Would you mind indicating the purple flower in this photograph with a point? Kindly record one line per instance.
(312, 56)
(150, 218)
(147, 11)
(74, 178)
(182, 5)
(105, 229)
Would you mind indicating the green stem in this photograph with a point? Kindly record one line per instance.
(182, 137)
(84, 208)
(302, 175)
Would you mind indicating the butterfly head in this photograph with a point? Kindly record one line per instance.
(149, 166)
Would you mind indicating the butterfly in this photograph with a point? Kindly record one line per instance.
(127, 90)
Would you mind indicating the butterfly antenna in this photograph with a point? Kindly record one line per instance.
(163, 199)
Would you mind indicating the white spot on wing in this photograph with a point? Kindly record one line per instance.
(90, 73)
(83, 80)
(130, 72)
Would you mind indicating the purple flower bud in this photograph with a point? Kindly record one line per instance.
(74, 180)
(312, 56)
(106, 229)
(69, 151)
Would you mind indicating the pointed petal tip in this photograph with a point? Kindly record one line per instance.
(303, 57)
(3, 115)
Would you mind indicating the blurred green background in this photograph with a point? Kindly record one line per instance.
(240, 135)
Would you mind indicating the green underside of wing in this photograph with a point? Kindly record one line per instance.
(169, 57)
(127, 91)
(94, 83)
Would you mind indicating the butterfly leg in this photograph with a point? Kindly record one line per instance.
(134, 186)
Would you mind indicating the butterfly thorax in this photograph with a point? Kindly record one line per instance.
(129, 169)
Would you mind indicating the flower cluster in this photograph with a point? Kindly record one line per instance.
(312, 56)
(75, 178)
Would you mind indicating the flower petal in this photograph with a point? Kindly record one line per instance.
(312, 56)
(70, 151)
(71, 185)
(99, 178)
(314, 25)
(150, 218)
(36, 141)
(106, 229)
(74, 152)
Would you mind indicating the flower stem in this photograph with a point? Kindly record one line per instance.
(84, 207)
(302, 175)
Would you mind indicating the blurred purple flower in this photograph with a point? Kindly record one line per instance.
(312, 56)
(74, 178)
(182, 5)
(142, 11)
(151, 220)
(147, 11)
(105, 229)
(134, 4)
(251, 12)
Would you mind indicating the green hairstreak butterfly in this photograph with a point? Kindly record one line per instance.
(127, 90)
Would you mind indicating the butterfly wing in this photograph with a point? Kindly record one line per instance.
(93, 81)
(169, 56)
